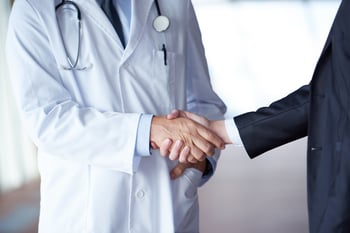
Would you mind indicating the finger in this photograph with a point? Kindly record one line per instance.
(165, 147)
(154, 146)
(196, 152)
(175, 151)
(204, 146)
(211, 137)
(192, 160)
(201, 166)
(197, 118)
(179, 170)
(191, 116)
(184, 154)
(174, 114)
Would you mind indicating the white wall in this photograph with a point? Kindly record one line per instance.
(17, 153)
(258, 52)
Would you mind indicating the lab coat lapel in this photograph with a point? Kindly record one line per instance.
(139, 16)
(94, 11)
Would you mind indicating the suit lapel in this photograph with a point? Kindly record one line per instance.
(327, 44)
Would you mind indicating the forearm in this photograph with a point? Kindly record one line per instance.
(283, 121)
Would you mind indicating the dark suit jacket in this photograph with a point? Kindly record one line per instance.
(321, 111)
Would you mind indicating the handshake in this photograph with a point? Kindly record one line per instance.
(188, 138)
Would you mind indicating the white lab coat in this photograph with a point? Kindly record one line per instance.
(85, 122)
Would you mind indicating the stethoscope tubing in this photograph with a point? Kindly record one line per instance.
(73, 66)
(160, 24)
(73, 4)
(158, 8)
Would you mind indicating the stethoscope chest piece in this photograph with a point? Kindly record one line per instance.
(161, 23)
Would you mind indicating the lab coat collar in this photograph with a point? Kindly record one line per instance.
(139, 15)
(93, 10)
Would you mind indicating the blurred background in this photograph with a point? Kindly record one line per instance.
(258, 51)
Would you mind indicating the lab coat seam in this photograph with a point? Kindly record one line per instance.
(32, 89)
(131, 183)
(31, 6)
(88, 199)
(119, 80)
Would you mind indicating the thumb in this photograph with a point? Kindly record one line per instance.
(178, 170)
(174, 114)
(165, 147)
(154, 146)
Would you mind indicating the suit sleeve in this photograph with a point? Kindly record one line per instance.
(283, 121)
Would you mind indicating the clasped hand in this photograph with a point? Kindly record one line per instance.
(185, 137)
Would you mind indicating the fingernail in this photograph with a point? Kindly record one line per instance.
(222, 146)
(179, 143)
(167, 141)
(182, 160)
(186, 149)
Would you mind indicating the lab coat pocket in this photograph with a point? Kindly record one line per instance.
(186, 201)
(193, 176)
(106, 204)
(167, 73)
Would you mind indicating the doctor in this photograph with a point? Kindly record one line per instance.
(92, 101)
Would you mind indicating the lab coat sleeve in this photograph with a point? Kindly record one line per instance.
(201, 97)
(56, 123)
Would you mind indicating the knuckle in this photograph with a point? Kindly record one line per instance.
(208, 148)
(211, 136)
(199, 155)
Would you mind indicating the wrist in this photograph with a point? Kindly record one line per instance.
(219, 128)
(156, 126)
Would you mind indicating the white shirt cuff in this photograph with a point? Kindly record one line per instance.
(232, 132)
(142, 147)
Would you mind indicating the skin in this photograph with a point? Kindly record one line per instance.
(178, 151)
(195, 141)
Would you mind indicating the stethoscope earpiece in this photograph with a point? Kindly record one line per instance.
(161, 23)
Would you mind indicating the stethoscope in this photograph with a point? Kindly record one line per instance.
(161, 23)
(72, 65)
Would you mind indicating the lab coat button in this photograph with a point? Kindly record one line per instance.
(140, 194)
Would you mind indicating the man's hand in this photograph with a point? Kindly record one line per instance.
(179, 169)
(176, 150)
(199, 119)
(218, 127)
(193, 139)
